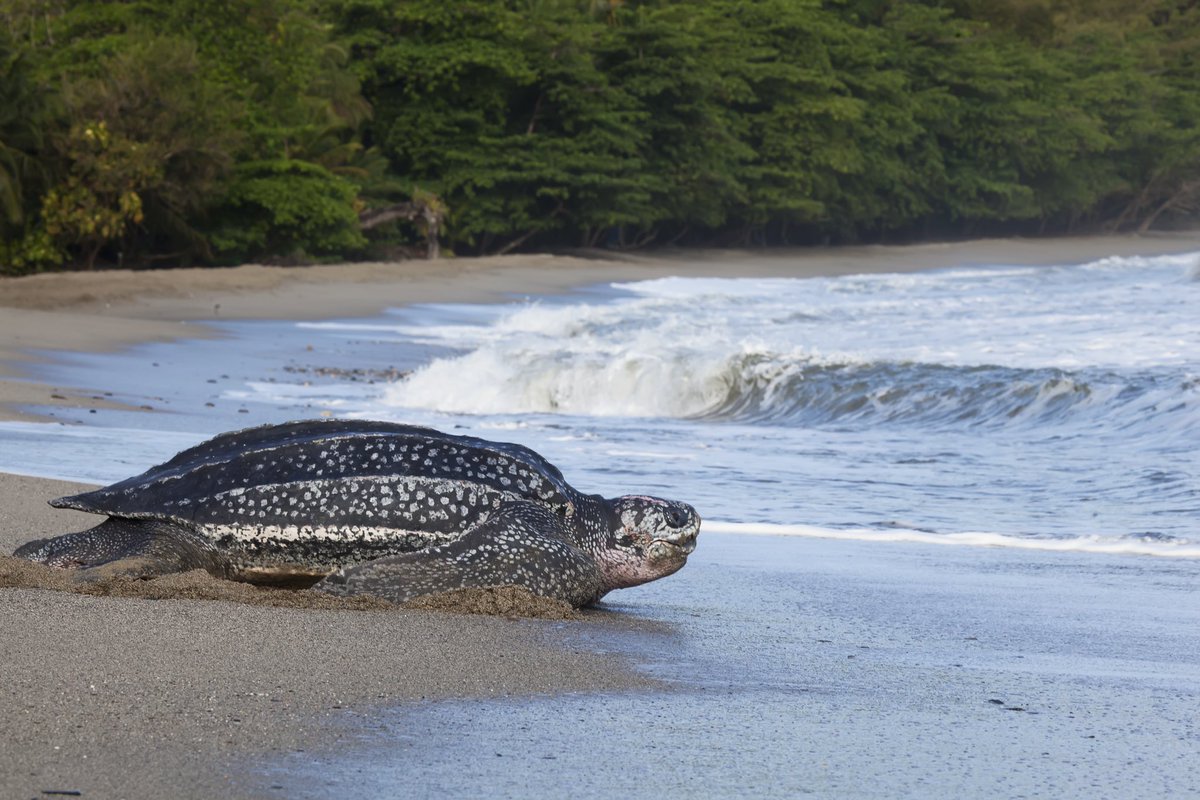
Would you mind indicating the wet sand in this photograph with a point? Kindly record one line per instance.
(834, 669)
(137, 697)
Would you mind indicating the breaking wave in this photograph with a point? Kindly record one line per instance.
(933, 394)
(795, 389)
(960, 348)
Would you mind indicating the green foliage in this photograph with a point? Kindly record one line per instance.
(265, 128)
(565, 122)
(153, 96)
(674, 62)
(503, 113)
(287, 208)
(26, 110)
(278, 58)
(33, 251)
(100, 198)
(193, 88)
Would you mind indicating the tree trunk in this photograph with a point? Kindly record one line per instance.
(515, 243)
(428, 219)
(89, 261)
(1177, 199)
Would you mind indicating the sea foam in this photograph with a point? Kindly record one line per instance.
(1078, 544)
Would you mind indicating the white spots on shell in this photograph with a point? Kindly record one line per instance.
(301, 477)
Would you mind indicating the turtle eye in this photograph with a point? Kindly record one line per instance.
(625, 540)
(676, 518)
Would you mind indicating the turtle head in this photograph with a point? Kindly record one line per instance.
(649, 538)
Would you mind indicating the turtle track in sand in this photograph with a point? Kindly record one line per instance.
(503, 601)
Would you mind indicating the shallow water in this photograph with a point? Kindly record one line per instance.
(836, 669)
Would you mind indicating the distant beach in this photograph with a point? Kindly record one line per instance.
(869, 670)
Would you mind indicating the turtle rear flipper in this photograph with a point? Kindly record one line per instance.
(139, 548)
(522, 544)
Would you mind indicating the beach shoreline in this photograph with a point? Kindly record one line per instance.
(41, 315)
(192, 691)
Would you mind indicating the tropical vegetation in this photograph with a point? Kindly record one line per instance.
(188, 132)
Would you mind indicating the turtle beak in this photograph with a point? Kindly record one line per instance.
(681, 541)
(673, 545)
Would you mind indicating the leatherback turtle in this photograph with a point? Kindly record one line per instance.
(374, 508)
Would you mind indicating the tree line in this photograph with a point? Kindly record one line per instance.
(190, 132)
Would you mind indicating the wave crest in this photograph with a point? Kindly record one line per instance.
(753, 385)
(825, 393)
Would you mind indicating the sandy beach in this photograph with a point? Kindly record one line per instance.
(136, 698)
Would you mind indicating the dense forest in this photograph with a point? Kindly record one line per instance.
(183, 132)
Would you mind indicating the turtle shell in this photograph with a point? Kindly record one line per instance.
(322, 490)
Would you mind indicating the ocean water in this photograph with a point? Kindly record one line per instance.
(1052, 408)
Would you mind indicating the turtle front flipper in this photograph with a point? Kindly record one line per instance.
(139, 548)
(522, 544)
